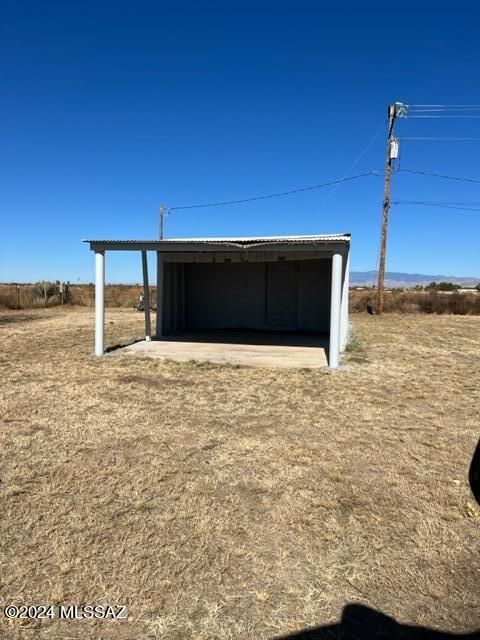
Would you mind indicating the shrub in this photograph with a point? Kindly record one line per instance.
(355, 343)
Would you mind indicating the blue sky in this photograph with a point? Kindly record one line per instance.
(110, 107)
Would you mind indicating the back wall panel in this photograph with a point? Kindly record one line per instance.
(222, 295)
(226, 296)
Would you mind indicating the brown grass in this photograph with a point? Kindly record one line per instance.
(116, 295)
(221, 502)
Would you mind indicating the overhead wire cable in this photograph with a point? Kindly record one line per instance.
(450, 202)
(440, 117)
(442, 109)
(276, 195)
(448, 106)
(439, 175)
(436, 204)
(352, 166)
(439, 138)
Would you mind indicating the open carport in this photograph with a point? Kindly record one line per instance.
(257, 290)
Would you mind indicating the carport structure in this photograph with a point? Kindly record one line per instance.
(273, 284)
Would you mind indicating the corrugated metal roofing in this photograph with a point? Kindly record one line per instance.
(320, 238)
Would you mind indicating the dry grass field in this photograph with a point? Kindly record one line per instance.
(234, 503)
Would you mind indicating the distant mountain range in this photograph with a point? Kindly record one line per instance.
(395, 279)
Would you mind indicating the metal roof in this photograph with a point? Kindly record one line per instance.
(233, 240)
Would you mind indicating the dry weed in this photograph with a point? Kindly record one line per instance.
(221, 502)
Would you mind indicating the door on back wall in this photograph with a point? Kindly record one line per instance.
(281, 296)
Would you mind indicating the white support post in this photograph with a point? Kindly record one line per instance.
(158, 330)
(335, 305)
(99, 302)
(345, 295)
(146, 298)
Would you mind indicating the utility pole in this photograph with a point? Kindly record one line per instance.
(163, 211)
(392, 153)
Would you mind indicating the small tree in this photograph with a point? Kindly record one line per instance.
(443, 286)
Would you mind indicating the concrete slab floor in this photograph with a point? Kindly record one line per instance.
(252, 349)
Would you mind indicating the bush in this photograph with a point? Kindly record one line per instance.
(355, 343)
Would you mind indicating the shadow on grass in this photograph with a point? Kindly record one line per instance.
(362, 623)
(121, 345)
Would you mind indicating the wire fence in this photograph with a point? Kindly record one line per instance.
(18, 296)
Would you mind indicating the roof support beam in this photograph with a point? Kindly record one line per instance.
(146, 297)
(335, 315)
(99, 303)
(344, 309)
(159, 325)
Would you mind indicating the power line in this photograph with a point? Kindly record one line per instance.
(442, 205)
(323, 185)
(472, 106)
(351, 167)
(441, 109)
(443, 117)
(276, 195)
(437, 138)
(450, 202)
(438, 175)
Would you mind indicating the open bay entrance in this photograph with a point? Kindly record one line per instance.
(281, 296)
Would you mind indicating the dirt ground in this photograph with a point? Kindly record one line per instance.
(225, 502)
